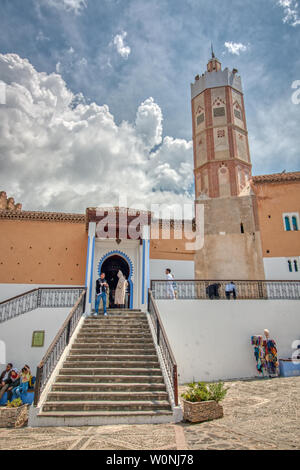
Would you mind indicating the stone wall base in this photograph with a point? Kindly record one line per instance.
(14, 417)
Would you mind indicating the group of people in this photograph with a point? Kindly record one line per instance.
(102, 289)
(15, 382)
(213, 290)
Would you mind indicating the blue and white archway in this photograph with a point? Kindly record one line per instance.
(134, 252)
(130, 264)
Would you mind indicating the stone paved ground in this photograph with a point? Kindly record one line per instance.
(258, 414)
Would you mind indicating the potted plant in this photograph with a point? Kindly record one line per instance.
(201, 401)
(14, 414)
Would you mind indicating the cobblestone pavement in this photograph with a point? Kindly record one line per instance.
(258, 414)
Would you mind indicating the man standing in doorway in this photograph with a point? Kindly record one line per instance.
(101, 287)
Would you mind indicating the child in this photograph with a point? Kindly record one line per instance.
(24, 383)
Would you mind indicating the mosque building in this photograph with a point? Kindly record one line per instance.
(249, 226)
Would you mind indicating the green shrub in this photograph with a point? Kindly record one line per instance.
(202, 391)
(15, 403)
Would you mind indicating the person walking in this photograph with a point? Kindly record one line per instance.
(101, 288)
(170, 284)
(120, 292)
(230, 289)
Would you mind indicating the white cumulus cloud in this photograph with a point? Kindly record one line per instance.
(149, 123)
(235, 47)
(119, 43)
(290, 11)
(59, 153)
(75, 6)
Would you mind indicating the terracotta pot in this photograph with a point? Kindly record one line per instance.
(197, 412)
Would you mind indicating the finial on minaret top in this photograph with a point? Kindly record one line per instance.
(212, 51)
(214, 65)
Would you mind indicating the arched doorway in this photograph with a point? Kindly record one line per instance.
(111, 266)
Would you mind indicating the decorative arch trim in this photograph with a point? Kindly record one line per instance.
(130, 264)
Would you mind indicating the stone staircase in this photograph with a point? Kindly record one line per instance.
(111, 375)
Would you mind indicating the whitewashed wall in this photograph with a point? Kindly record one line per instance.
(278, 269)
(16, 334)
(7, 291)
(211, 339)
(180, 269)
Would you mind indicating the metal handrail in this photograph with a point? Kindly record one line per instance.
(163, 343)
(36, 289)
(245, 289)
(40, 297)
(18, 296)
(61, 340)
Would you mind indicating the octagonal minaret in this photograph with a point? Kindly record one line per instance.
(222, 169)
(221, 151)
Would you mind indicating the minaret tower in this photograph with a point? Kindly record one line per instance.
(221, 150)
(222, 169)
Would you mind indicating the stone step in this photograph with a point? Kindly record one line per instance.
(117, 415)
(108, 406)
(117, 326)
(109, 371)
(114, 345)
(112, 358)
(109, 320)
(125, 316)
(112, 351)
(114, 331)
(130, 342)
(109, 379)
(110, 364)
(106, 396)
(114, 334)
(108, 387)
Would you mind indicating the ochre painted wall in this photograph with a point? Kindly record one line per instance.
(42, 252)
(171, 248)
(275, 199)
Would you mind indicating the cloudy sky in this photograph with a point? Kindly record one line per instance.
(96, 101)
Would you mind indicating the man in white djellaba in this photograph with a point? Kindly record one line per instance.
(121, 290)
(170, 286)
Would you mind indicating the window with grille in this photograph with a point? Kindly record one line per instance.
(293, 265)
(291, 222)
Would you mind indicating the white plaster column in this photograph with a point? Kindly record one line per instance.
(145, 267)
(90, 267)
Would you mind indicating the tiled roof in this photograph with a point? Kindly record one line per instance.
(277, 177)
(49, 216)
